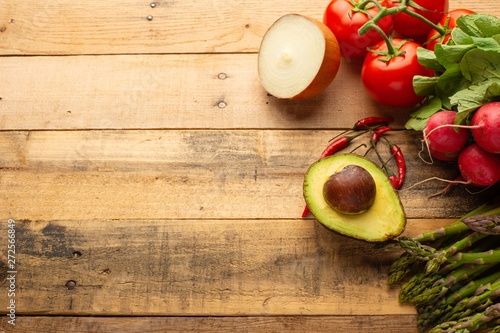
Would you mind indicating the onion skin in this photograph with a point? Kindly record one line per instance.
(330, 66)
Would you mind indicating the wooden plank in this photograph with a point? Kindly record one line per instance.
(192, 268)
(189, 218)
(289, 324)
(94, 27)
(206, 174)
(168, 91)
(117, 27)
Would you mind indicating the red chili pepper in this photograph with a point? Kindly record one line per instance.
(339, 143)
(336, 145)
(394, 181)
(401, 164)
(371, 122)
(377, 134)
(306, 211)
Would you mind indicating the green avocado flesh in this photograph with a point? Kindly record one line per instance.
(384, 219)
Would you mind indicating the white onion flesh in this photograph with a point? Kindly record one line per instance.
(291, 55)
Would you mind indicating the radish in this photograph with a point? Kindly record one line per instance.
(444, 140)
(485, 126)
(478, 166)
(298, 57)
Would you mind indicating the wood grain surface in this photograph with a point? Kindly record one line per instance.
(203, 174)
(156, 187)
(166, 92)
(62, 27)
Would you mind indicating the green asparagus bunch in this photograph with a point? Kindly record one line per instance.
(452, 274)
(469, 323)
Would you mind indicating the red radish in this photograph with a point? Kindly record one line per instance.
(479, 167)
(298, 58)
(486, 127)
(445, 141)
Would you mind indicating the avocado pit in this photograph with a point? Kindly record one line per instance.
(351, 190)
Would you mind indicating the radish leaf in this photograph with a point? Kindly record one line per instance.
(467, 70)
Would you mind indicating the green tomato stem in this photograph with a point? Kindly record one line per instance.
(364, 3)
(438, 28)
(384, 11)
(391, 50)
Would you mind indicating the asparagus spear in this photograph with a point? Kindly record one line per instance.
(484, 294)
(484, 224)
(400, 268)
(495, 326)
(458, 226)
(416, 248)
(416, 285)
(439, 259)
(455, 273)
(436, 258)
(403, 266)
(471, 323)
(442, 285)
(422, 286)
(430, 312)
(476, 258)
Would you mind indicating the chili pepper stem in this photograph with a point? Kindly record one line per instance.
(376, 135)
(348, 137)
(382, 162)
(338, 135)
(357, 147)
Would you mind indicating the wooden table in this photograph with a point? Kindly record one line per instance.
(156, 187)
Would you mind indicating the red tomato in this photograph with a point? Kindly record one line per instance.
(410, 26)
(344, 19)
(448, 22)
(391, 82)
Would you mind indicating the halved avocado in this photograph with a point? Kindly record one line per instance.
(384, 219)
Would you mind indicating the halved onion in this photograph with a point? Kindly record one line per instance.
(298, 58)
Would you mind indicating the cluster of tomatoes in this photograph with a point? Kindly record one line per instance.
(387, 33)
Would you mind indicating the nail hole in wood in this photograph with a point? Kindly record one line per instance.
(77, 254)
(71, 284)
